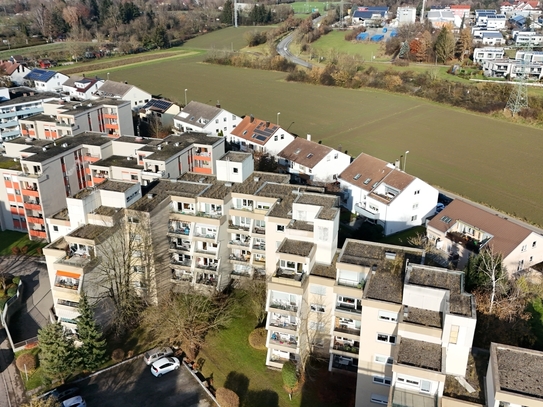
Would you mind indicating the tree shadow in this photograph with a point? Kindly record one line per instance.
(261, 398)
(239, 384)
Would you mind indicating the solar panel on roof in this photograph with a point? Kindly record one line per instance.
(261, 138)
(158, 104)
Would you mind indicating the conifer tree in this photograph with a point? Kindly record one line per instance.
(57, 352)
(92, 352)
(444, 45)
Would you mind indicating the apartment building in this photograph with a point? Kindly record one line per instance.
(59, 119)
(20, 103)
(513, 377)
(204, 118)
(383, 194)
(40, 174)
(481, 55)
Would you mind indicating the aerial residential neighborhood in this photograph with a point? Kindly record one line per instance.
(200, 246)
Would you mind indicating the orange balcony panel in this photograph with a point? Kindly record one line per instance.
(110, 116)
(88, 171)
(202, 170)
(31, 132)
(97, 181)
(18, 198)
(16, 185)
(14, 211)
(21, 212)
(30, 192)
(39, 221)
(202, 158)
(47, 133)
(90, 159)
(8, 184)
(32, 207)
(24, 132)
(11, 197)
(112, 126)
(37, 233)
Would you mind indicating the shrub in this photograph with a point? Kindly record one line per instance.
(117, 355)
(12, 290)
(257, 339)
(24, 249)
(39, 251)
(15, 250)
(289, 375)
(15, 280)
(227, 398)
(28, 359)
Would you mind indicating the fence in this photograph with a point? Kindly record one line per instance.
(11, 307)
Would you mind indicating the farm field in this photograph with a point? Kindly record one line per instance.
(307, 7)
(227, 38)
(483, 158)
(41, 50)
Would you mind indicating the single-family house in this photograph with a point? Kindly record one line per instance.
(532, 38)
(370, 15)
(309, 161)
(492, 38)
(383, 194)
(487, 54)
(442, 17)
(462, 229)
(81, 87)
(496, 22)
(159, 109)
(203, 118)
(14, 71)
(44, 80)
(124, 91)
(255, 135)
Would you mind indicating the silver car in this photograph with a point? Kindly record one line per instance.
(156, 353)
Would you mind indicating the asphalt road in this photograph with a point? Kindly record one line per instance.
(132, 384)
(283, 49)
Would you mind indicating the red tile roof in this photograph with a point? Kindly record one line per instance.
(305, 152)
(9, 67)
(506, 234)
(255, 130)
(460, 6)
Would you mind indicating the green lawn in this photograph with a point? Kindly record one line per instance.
(36, 378)
(402, 238)
(335, 40)
(536, 309)
(230, 38)
(308, 7)
(41, 50)
(10, 239)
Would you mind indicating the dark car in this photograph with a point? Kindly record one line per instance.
(64, 392)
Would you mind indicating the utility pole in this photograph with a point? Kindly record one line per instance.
(422, 11)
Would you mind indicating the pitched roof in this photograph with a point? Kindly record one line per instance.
(460, 6)
(158, 105)
(40, 75)
(492, 35)
(114, 89)
(507, 235)
(367, 172)
(198, 114)
(305, 152)
(88, 82)
(9, 67)
(255, 130)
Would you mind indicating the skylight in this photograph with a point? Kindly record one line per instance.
(357, 176)
(310, 155)
(298, 151)
(446, 219)
(367, 181)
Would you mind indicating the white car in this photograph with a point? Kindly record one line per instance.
(165, 365)
(76, 401)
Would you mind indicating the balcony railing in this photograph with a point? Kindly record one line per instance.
(212, 215)
(182, 277)
(282, 324)
(284, 306)
(288, 341)
(259, 246)
(182, 248)
(70, 284)
(351, 283)
(211, 267)
(179, 231)
(347, 348)
(207, 280)
(289, 274)
(356, 309)
(243, 258)
(347, 330)
(240, 243)
(186, 263)
(238, 227)
(260, 231)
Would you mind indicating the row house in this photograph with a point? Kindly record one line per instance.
(20, 103)
(306, 161)
(511, 69)
(525, 38)
(383, 194)
(46, 172)
(462, 229)
(200, 117)
(259, 136)
(61, 119)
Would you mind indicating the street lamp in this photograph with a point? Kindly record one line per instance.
(186, 97)
(278, 113)
(405, 160)
(108, 76)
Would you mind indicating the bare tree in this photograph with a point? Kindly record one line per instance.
(186, 319)
(257, 292)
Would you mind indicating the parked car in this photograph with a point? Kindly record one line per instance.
(439, 207)
(164, 365)
(157, 353)
(76, 401)
(64, 392)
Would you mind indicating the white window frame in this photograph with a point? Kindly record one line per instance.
(383, 359)
(379, 399)
(382, 380)
(389, 338)
(318, 308)
(388, 316)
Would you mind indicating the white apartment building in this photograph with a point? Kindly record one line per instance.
(528, 38)
(385, 195)
(496, 22)
(406, 15)
(481, 55)
(200, 117)
(119, 90)
(80, 87)
(310, 161)
(529, 56)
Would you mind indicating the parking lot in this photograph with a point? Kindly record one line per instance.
(132, 384)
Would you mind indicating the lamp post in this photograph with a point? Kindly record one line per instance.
(186, 97)
(278, 113)
(108, 76)
(405, 160)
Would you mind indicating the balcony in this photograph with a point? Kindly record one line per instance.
(64, 124)
(239, 258)
(351, 283)
(232, 226)
(38, 221)
(347, 347)
(285, 340)
(242, 243)
(68, 281)
(259, 246)
(207, 279)
(344, 329)
(186, 263)
(11, 133)
(406, 398)
(349, 364)
(203, 156)
(181, 277)
(259, 230)
(467, 241)
(283, 305)
(110, 116)
(90, 159)
(361, 210)
(349, 308)
(31, 192)
(32, 206)
(179, 247)
(179, 231)
(202, 170)
(211, 215)
(37, 233)
(289, 275)
(207, 267)
(206, 253)
(207, 235)
(80, 260)
(282, 323)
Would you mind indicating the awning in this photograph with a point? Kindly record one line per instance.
(68, 274)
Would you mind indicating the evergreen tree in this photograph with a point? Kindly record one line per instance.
(57, 352)
(227, 14)
(444, 45)
(92, 352)
(464, 43)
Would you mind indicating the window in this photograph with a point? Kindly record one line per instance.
(531, 258)
(453, 336)
(55, 228)
(520, 265)
(318, 308)
(386, 338)
(425, 386)
(534, 244)
(379, 399)
(216, 120)
(417, 192)
(282, 136)
(224, 119)
(388, 316)
(280, 228)
(317, 289)
(523, 248)
(235, 170)
(133, 177)
(415, 206)
(275, 138)
(414, 217)
(132, 219)
(387, 381)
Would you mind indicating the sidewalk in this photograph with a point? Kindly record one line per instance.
(11, 387)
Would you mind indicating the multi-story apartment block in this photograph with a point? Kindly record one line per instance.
(383, 194)
(513, 378)
(20, 103)
(204, 118)
(110, 116)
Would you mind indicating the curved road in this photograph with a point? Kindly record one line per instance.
(283, 49)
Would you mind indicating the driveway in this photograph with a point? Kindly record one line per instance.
(132, 384)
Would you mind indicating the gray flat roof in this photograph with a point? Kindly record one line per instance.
(421, 354)
(295, 247)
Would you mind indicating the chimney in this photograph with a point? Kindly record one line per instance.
(267, 124)
(83, 75)
(309, 137)
(397, 163)
(218, 105)
(252, 119)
